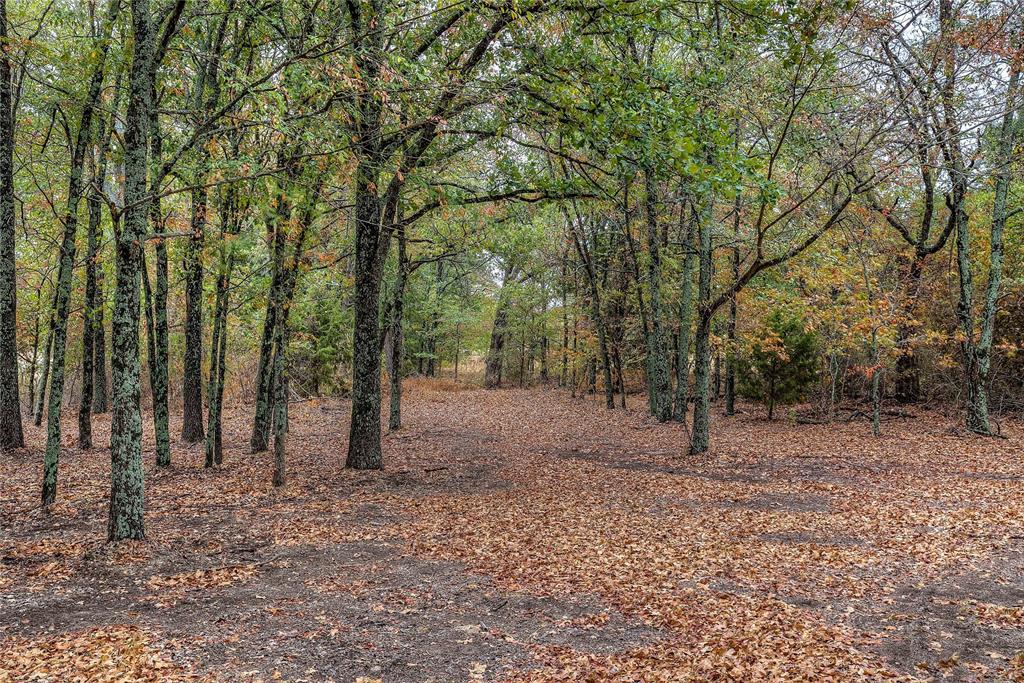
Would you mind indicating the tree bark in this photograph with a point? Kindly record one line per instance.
(192, 381)
(62, 298)
(495, 351)
(397, 350)
(661, 386)
(159, 348)
(700, 437)
(11, 435)
(230, 226)
(685, 321)
(127, 481)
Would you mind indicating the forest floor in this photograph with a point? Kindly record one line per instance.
(525, 536)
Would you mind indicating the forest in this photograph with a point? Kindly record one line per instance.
(511, 340)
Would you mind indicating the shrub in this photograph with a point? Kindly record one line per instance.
(781, 363)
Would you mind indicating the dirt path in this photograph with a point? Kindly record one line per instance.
(524, 535)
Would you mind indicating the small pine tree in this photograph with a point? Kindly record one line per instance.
(781, 363)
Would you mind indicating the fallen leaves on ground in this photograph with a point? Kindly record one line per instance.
(116, 654)
(791, 552)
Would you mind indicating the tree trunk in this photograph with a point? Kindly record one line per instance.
(32, 364)
(876, 388)
(595, 312)
(685, 322)
(730, 329)
(11, 435)
(160, 347)
(230, 225)
(192, 381)
(396, 351)
(977, 407)
(62, 298)
(127, 482)
(495, 352)
(264, 371)
(661, 386)
(364, 445)
(276, 230)
(280, 393)
(908, 372)
(563, 372)
(700, 438)
(44, 373)
(101, 391)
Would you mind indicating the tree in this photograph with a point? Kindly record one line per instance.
(10, 405)
(781, 363)
(62, 296)
(127, 480)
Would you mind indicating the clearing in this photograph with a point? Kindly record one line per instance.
(522, 535)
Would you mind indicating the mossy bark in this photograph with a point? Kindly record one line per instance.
(685, 319)
(397, 350)
(62, 298)
(657, 349)
(11, 434)
(125, 520)
(700, 436)
(192, 384)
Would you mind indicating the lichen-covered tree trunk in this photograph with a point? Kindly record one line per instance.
(499, 331)
(218, 353)
(44, 373)
(685, 320)
(212, 389)
(125, 519)
(88, 326)
(62, 298)
(657, 349)
(397, 349)
(94, 369)
(230, 225)
(157, 308)
(280, 395)
(364, 443)
(1009, 137)
(364, 449)
(159, 387)
(264, 372)
(701, 430)
(192, 386)
(100, 387)
(261, 421)
(11, 435)
(978, 352)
